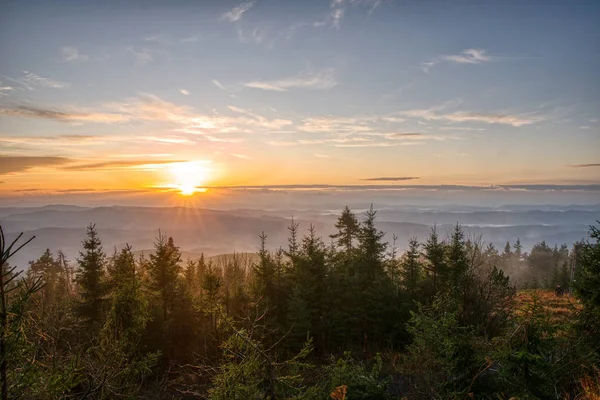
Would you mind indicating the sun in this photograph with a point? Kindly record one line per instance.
(188, 176)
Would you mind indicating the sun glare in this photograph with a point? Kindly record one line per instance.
(188, 176)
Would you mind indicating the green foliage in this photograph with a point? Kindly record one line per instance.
(309, 290)
(54, 278)
(129, 313)
(411, 271)
(251, 372)
(433, 251)
(362, 382)
(588, 272)
(348, 230)
(112, 369)
(441, 359)
(527, 356)
(164, 272)
(281, 325)
(587, 287)
(91, 280)
(456, 259)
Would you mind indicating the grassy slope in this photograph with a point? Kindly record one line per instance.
(561, 309)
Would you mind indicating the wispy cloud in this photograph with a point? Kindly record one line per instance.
(281, 143)
(331, 124)
(468, 56)
(143, 56)
(59, 140)
(189, 39)
(166, 39)
(72, 54)
(261, 121)
(379, 144)
(393, 119)
(337, 10)
(466, 116)
(584, 165)
(184, 92)
(427, 65)
(167, 139)
(391, 178)
(408, 135)
(145, 108)
(322, 80)
(219, 84)
(336, 140)
(5, 89)
(337, 13)
(32, 81)
(116, 164)
(242, 156)
(257, 35)
(16, 164)
(34, 112)
(237, 12)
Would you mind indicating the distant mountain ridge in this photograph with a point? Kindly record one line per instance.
(224, 231)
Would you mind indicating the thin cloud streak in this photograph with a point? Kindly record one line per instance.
(32, 81)
(117, 164)
(34, 112)
(322, 80)
(16, 164)
(584, 165)
(468, 56)
(219, 84)
(515, 120)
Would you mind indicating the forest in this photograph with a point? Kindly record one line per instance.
(342, 317)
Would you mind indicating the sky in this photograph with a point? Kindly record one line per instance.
(148, 95)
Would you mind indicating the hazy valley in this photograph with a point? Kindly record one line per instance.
(215, 232)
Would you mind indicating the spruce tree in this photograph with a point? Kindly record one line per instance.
(191, 276)
(309, 290)
(372, 248)
(266, 289)
(518, 249)
(91, 279)
(507, 251)
(433, 251)
(129, 309)
(48, 270)
(164, 270)
(348, 230)
(374, 289)
(411, 271)
(456, 258)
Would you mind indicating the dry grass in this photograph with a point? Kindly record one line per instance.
(561, 309)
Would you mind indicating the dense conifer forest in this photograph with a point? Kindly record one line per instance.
(342, 317)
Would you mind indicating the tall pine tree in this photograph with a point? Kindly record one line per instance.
(348, 230)
(91, 279)
(164, 270)
(433, 250)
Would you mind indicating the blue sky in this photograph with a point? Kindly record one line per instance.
(315, 92)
